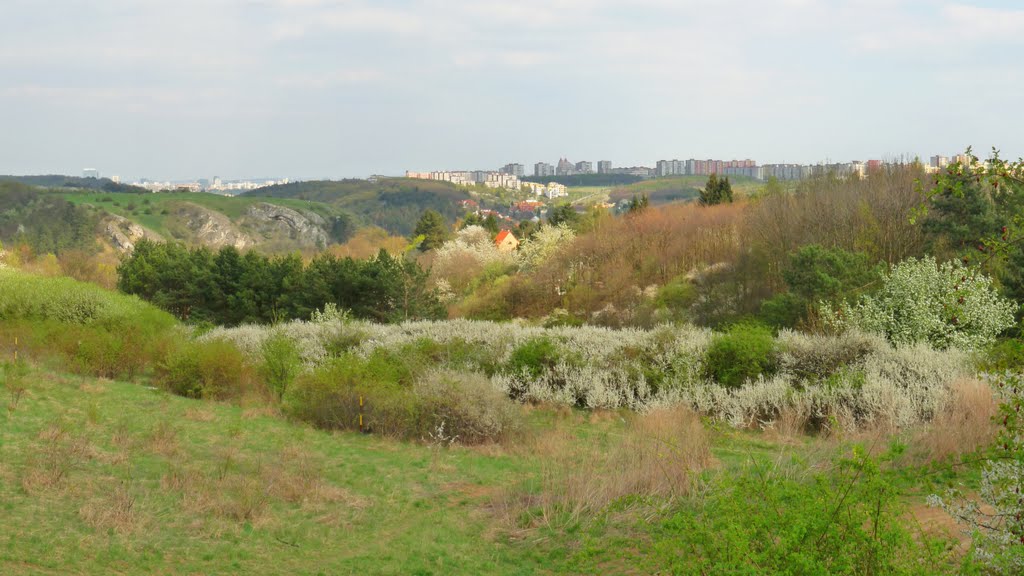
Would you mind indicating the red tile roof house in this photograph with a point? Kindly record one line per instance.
(506, 242)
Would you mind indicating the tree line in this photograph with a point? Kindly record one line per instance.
(228, 287)
(43, 221)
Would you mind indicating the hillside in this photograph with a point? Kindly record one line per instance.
(214, 220)
(678, 188)
(75, 182)
(394, 204)
(56, 220)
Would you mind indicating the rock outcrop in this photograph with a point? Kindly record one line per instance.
(209, 228)
(123, 234)
(278, 224)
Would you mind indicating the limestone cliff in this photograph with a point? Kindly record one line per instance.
(279, 225)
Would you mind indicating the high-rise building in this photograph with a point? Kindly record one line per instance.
(584, 167)
(604, 166)
(565, 168)
(940, 161)
(514, 169)
(670, 167)
(543, 169)
(90, 173)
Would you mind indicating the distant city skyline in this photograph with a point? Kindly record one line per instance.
(324, 88)
(518, 168)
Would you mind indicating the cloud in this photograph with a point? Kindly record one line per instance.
(622, 78)
(333, 78)
(986, 24)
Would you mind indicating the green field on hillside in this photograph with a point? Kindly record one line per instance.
(394, 204)
(148, 210)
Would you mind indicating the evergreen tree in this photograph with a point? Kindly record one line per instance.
(564, 214)
(433, 229)
(716, 191)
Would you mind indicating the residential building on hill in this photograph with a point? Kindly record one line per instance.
(506, 241)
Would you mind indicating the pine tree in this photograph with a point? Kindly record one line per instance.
(716, 191)
(433, 229)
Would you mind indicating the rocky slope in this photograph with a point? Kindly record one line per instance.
(269, 223)
(123, 234)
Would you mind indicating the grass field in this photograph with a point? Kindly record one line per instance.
(148, 209)
(101, 477)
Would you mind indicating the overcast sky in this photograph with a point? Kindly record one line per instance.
(331, 88)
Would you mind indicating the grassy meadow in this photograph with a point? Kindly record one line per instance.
(102, 476)
(108, 464)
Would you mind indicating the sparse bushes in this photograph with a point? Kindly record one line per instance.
(659, 454)
(744, 353)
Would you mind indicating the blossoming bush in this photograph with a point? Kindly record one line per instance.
(470, 254)
(947, 305)
(852, 378)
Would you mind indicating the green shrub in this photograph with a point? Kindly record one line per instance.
(1005, 355)
(848, 519)
(212, 369)
(335, 394)
(65, 300)
(743, 353)
(281, 363)
(534, 357)
(101, 352)
(464, 407)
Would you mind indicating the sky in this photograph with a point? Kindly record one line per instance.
(182, 89)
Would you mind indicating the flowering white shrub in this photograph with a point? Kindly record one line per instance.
(473, 241)
(947, 305)
(861, 378)
(546, 242)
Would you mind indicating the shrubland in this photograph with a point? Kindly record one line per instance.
(769, 385)
(746, 377)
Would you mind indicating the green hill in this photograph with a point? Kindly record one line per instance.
(394, 204)
(60, 181)
(156, 211)
(679, 188)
